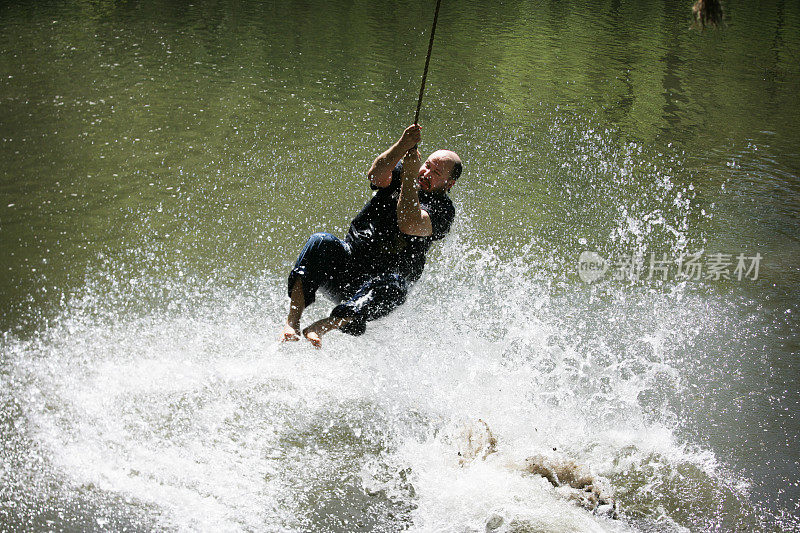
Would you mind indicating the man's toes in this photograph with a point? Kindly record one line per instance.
(290, 334)
(313, 338)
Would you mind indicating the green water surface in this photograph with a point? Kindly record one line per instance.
(204, 141)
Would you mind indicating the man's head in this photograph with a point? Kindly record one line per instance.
(440, 171)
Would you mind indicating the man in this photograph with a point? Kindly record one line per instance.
(370, 271)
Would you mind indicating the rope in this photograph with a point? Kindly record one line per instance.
(427, 61)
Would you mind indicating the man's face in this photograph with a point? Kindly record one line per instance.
(434, 174)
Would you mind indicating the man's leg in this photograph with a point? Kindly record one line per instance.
(315, 331)
(297, 304)
(376, 298)
(320, 265)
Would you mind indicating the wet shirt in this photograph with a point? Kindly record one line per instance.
(376, 241)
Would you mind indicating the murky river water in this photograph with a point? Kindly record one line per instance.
(162, 163)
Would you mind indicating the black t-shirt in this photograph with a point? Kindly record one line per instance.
(376, 241)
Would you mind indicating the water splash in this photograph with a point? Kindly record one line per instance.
(197, 410)
(169, 388)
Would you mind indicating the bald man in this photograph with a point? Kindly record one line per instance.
(369, 272)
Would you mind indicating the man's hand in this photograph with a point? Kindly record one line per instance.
(411, 137)
(380, 173)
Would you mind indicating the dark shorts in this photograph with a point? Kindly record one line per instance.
(326, 264)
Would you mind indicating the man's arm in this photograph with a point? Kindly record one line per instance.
(411, 218)
(380, 173)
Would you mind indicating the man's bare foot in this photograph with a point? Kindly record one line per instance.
(314, 337)
(315, 331)
(290, 332)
